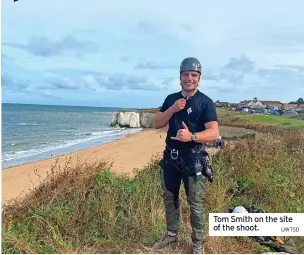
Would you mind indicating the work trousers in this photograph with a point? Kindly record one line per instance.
(183, 167)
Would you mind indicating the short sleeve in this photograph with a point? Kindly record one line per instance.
(209, 112)
(165, 105)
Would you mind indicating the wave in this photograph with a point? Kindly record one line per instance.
(29, 124)
(56, 145)
(100, 133)
(17, 143)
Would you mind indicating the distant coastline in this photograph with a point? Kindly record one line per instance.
(106, 107)
(32, 132)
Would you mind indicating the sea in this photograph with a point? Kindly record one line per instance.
(34, 132)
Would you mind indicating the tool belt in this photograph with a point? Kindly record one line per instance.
(195, 161)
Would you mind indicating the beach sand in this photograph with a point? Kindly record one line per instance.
(126, 154)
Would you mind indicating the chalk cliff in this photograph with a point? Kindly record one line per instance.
(142, 118)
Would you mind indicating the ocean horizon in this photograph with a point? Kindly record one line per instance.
(31, 132)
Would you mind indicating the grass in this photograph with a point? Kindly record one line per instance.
(90, 210)
(275, 119)
(281, 122)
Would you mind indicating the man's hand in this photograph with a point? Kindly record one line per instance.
(183, 135)
(179, 105)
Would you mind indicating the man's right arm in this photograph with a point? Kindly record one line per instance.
(162, 118)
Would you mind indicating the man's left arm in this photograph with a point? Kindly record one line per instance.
(211, 133)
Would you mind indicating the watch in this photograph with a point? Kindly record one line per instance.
(193, 137)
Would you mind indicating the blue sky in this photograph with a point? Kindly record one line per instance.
(128, 53)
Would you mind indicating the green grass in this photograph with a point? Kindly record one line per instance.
(280, 122)
(90, 210)
(274, 119)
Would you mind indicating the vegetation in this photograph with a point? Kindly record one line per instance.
(298, 102)
(262, 123)
(90, 210)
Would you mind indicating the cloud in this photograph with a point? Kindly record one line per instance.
(226, 90)
(73, 78)
(123, 81)
(45, 47)
(6, 57)
(48, 94)
(12, 85)
(210, 75)
(168, 81)
(138, 42)
(125, 59)
(241, 64)
(72, 72)
(242, 76)
(234, 72)
(163, 29)
(66, 83)
(232, 78)
(287, 36)
(148, 27)
(282, 78)
(153, 66)
(291, 67)
(186, 27)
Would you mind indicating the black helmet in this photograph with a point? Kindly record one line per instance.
(190, 64)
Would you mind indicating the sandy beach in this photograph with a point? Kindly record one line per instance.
(126, 154)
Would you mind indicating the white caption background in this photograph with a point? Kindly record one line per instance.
(256, 224)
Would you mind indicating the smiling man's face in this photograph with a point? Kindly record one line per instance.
(189, 80)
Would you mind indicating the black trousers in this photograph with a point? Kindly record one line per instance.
(177, 168)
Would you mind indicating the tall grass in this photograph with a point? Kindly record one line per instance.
(90, 210)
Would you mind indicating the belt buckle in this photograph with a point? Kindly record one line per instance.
(174, 151)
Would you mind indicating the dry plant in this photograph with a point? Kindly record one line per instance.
(87, 209)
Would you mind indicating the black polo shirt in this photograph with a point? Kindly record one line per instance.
(199, 110)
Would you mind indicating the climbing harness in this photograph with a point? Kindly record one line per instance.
(195, 161)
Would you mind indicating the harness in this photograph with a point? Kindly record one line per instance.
(195, 161)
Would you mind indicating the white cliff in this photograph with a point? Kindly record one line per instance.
(140, 119)
(126, 119)
(114, 119)
(146, 119)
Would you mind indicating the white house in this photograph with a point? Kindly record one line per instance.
(255, 103)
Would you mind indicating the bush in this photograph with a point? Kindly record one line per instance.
(91, 210)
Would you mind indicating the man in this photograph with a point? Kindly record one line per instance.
(192, 121)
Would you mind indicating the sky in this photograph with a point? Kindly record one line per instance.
(128, 53)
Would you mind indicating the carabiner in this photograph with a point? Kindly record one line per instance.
(174, 151)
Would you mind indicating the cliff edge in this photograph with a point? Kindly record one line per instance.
(142, 118)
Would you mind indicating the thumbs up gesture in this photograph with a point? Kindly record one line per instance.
(183, 135)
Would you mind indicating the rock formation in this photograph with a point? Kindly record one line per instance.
(142, 118)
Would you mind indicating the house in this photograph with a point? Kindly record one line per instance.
(300, 108)
(255, 103)
(273, 104)
(233, 104)
(220, 104)
(290, 106)
(244, 103)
